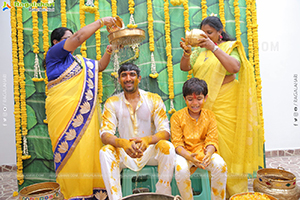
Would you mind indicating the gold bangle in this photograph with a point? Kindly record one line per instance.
(102, 23)
(186, 53)
(185, 56)
(108, 52)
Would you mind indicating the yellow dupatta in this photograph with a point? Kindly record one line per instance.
(74, 115)
(248, 139)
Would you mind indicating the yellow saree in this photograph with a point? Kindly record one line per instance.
(236, 109)
(73, 115)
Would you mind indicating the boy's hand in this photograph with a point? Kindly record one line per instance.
(209, 151)
(207, 159)
(196, 162)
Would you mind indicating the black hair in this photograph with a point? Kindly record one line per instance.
(194, 85)
(58, 33)
(216, 23)
(129, 67)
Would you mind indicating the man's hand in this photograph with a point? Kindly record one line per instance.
(130, 147)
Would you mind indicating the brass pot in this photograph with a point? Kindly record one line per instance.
(280, 194)
(191, 37)
(278, 183)
(151, 196)
(46, 190)
(276, 178)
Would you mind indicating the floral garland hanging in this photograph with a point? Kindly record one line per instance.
(37, 77)
(17, 112)
(169, 56)
(249, 30)
(222, 13)
(154, 73)
(204, 9)
(98, 51)
(176, 2)
(82, 24)
(63, 13)
(187, 26)
(237, 20)
(114, 8)
(131, 5)
(45, 46)
(256, 62)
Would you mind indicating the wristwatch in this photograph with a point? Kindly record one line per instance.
(215, 48)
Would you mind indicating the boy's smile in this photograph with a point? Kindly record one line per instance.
(195, 104)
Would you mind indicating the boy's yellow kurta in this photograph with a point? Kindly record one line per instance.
(194, 135)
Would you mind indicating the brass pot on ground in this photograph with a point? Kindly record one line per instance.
(278, 183)
(151, 196)
(46, 190)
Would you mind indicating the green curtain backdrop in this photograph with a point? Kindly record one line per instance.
(40, 167)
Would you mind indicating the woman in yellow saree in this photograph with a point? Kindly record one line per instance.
(234, 101)
(73, 112)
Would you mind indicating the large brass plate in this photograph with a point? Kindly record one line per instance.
(126, 37)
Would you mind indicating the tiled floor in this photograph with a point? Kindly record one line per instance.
(8, 180)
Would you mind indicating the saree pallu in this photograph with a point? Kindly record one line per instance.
(239, 122)
(73, 115)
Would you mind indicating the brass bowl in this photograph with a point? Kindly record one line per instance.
(126, 36)
(45, 190)
(251, 193)
(276, 178)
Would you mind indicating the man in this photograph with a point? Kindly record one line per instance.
(143, 128)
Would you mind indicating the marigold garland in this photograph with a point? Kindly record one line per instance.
(45, 46)
(114, 8)
(63, 13)
(237, 20)
(82, 24)
(131, 5)
(222, 13)
(204, 9)
(154, 73)
(169, 55)
(17, 111)
(249, 30)
(187, 26)
(176, 2)
(256, 62)
(98, 51)
(35, 33)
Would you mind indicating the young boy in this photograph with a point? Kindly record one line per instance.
(194, 135)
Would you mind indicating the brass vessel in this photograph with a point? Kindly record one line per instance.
(278, 183)
(45, 190)
(245, 193)
(126, 37)
(191, 37)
